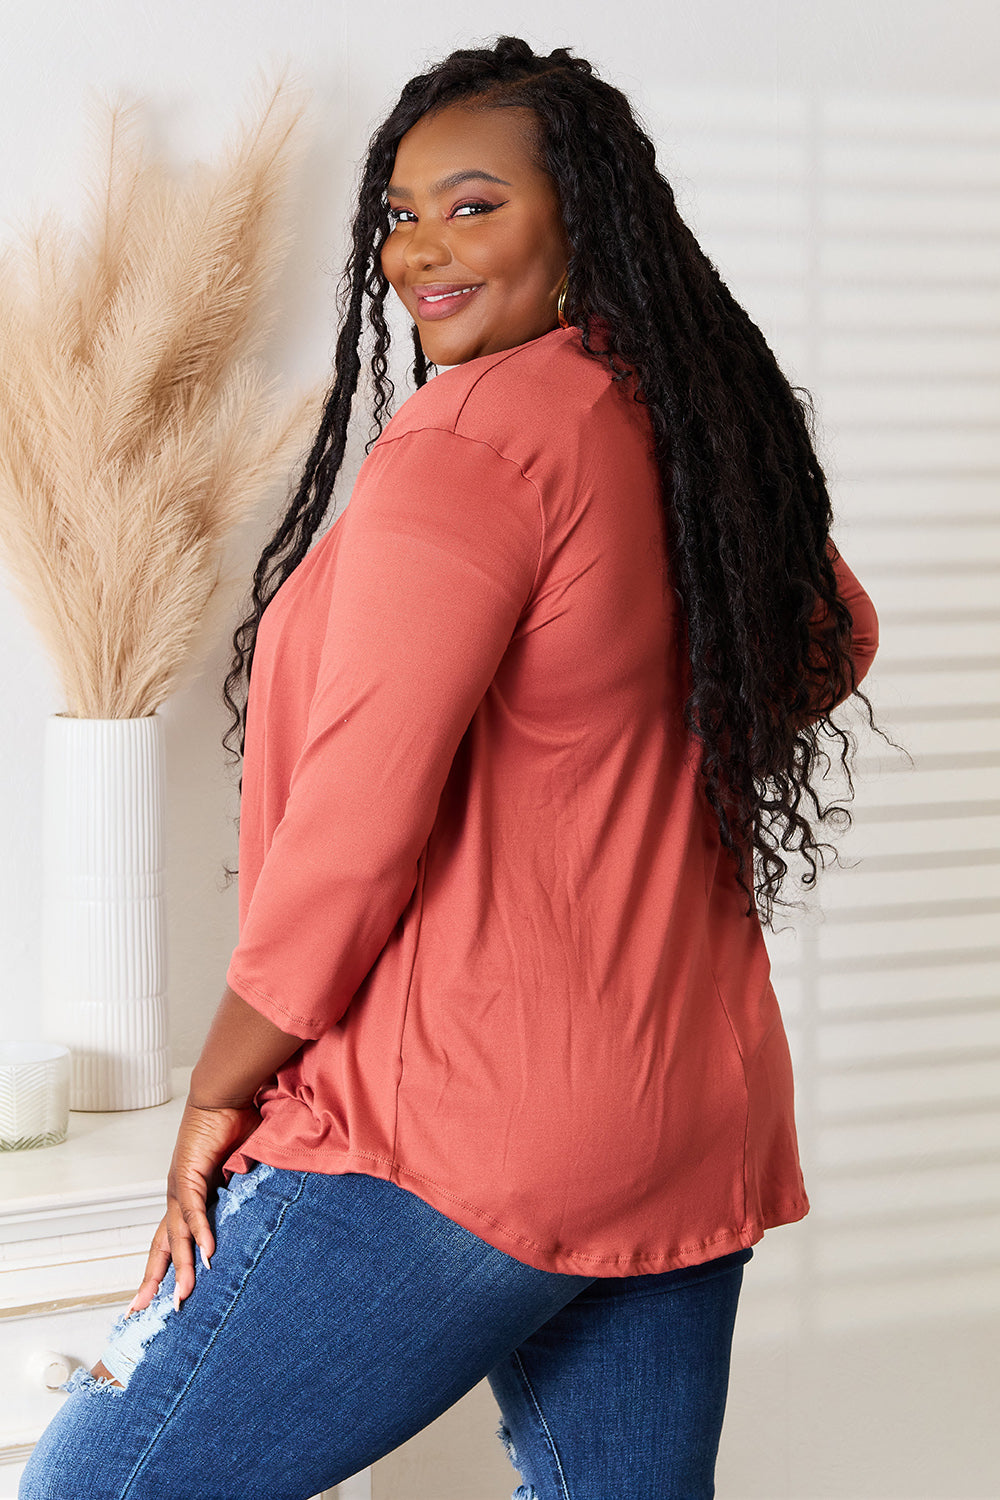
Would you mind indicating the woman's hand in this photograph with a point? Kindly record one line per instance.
(242, 1050)
(205, 1139)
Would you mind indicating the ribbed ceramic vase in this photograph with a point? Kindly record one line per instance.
(104, 940)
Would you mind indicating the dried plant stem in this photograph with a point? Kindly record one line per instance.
(136, 426)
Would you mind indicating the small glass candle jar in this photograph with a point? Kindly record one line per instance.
(34, 1095)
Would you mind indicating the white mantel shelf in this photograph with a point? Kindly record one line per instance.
(100, 1151)
(89, 1204)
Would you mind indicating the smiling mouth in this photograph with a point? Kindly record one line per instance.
(440, 296)
(433, 305)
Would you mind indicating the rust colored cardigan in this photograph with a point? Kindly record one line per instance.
(477, 871)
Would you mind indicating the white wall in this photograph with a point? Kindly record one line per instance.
(840, 162)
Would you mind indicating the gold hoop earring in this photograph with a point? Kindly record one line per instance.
(561, 306)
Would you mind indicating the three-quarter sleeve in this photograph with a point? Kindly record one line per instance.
(864, 633)
(437, 556)
(864, 620)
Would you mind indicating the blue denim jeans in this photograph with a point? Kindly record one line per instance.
(342, 1314)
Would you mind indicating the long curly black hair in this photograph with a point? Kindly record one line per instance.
(747, 509)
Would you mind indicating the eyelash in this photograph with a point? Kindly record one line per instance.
(481, 208)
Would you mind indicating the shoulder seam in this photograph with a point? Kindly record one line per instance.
(481, 443)
(507, 354)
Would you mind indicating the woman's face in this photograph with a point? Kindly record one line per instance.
(477, 251)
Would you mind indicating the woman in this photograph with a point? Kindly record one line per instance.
(498, 1080)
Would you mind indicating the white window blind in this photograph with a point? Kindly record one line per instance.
(863, 236)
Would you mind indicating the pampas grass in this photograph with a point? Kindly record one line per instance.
(136, 425)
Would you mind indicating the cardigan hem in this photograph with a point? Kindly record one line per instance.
(558, 1258)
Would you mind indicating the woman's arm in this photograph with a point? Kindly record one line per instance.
(242, 1050)
(864, 620)
(864, 632)
(438, 554)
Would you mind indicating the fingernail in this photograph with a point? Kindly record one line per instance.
(131, 1307)
(204, 1259)
(177, 1299)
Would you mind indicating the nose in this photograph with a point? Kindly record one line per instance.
(426, 245)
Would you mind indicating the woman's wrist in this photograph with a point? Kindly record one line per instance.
(202, 1096)
(242, 1051)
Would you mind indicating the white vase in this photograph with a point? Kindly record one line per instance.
(103, 933)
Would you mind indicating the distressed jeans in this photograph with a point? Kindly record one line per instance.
(342, 1314)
